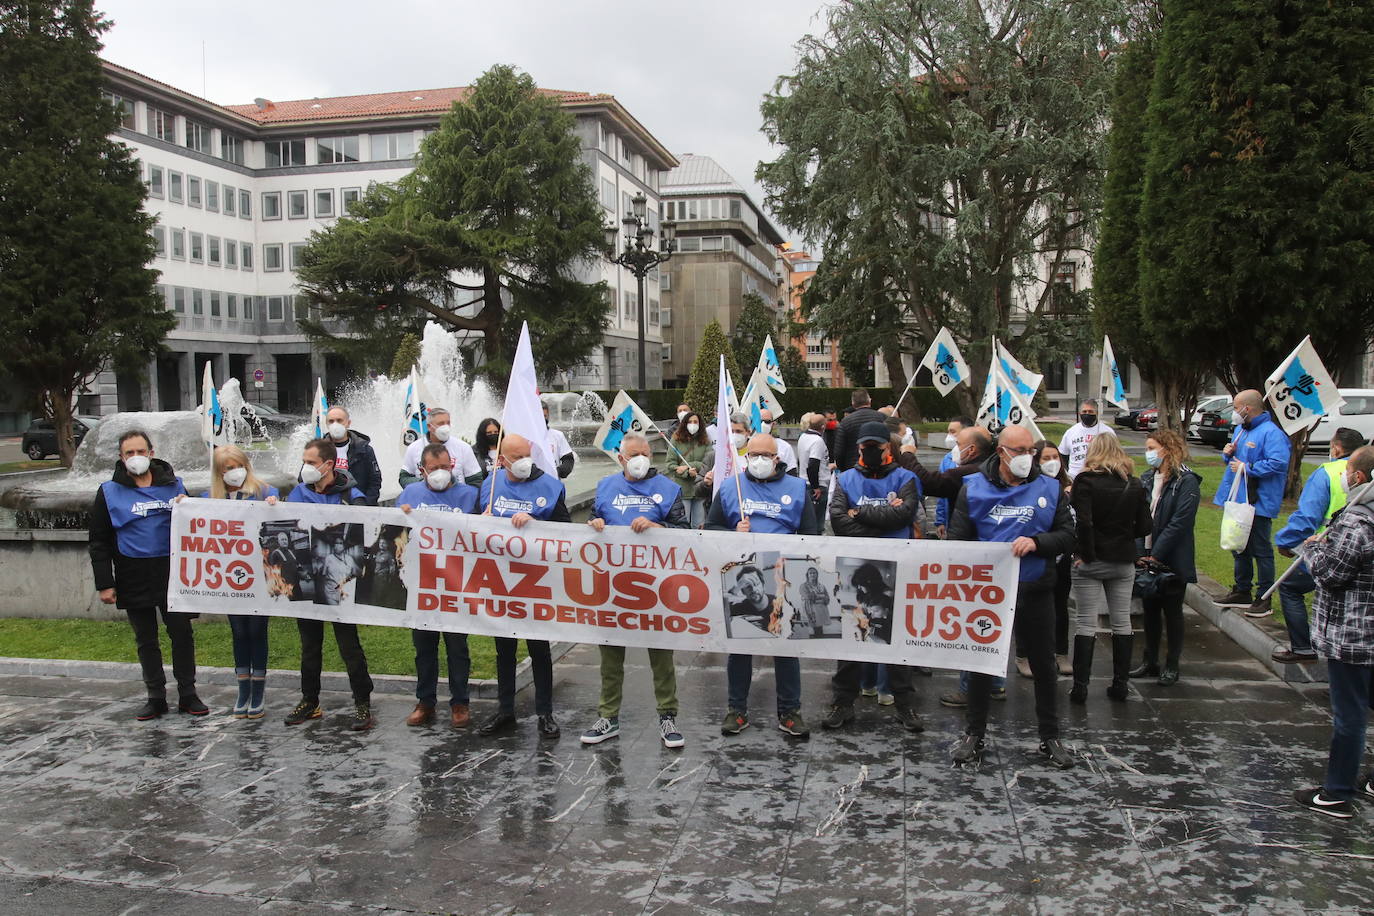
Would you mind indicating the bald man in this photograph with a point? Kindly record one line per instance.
(521, 492)
(1260, 450)
(355, 454)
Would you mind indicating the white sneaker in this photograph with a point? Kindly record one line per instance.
(667, 729)
(601, 730)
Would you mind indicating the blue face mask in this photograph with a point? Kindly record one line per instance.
(1153, 458)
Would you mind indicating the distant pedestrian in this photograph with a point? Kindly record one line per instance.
(845, 451)
(1076, 439)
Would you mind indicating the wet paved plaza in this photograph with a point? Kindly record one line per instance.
(1181, 804)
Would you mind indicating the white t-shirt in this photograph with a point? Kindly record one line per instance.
(464, 461)
(558, 444)
(786, 454)
(812, 445)
(1074, 445)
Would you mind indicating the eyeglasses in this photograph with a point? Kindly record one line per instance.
(762, 455)
(1014, 452)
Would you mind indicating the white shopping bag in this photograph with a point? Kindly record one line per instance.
(1237, 515)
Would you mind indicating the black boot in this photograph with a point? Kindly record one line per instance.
(1121, 666)
(1082, 667)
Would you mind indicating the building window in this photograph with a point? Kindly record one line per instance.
(245, 205)
(324, 203)
(608, 194)
(350, 197)
(392, 146)
(155, 186)
(212, 196)
(192, 191)
(631, 305)
(296, 249)
(271, 204)
(296, 205)
(300, 308)
(214, 305)
(125, 106)
(174, 186)
(212, 251)
(162, 124)
(653, 312)
(231, 148)
(271, 257)
(197, 247)
(282, 153)
(734, 209)
(1056, 376)
(197, 136)
(246, 256)
(178, 244)
(160, 241)
(197, 302)
(689, 244)
(247, 308)
(231, 305)
(712, 243)
(230, 196)
(231, 254)
(337, 149)
(179, 300)
(274, 306)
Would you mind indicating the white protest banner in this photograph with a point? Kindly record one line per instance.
(1301, 390)
(947, 367)
(945, 604)
(624, 416)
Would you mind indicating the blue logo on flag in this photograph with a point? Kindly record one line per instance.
(945, 363)
(622, 424)
(1299, 384)
(1020, 386)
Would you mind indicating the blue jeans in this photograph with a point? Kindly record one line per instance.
(874, 676)
(427, 666)
(1292, 595)
(250, 641)
(696, 512)
(1350, 699)
(739, 670)
(998, 683)
(1259, 551)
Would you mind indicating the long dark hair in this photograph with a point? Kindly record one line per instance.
(482, 443)
(681, 434)
(1063, 475)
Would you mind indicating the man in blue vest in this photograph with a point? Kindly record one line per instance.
(1259, 449)
(774, 502)
(640, 499)
(1322, 497)
(518, 490)
(437, 491)
(876, 498)
(131, 549)
(322, 483)
(1010, 501)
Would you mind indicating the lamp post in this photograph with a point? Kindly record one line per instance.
(639, 256)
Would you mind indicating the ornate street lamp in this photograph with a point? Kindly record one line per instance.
(639, 256)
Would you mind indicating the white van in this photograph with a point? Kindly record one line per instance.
(1356, 413)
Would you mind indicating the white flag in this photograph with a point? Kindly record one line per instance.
(1300, 390)
(770, 368)
(757, 398)
(946, 364)
(415, 413)
(1003, 406)
(727, 460)
(1024, 382)
(523, 413)
(319, 410)
(624, 416)
(213, 430)
(1112, 390)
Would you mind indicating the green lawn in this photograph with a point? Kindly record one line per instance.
(389, 650)
(9, 467)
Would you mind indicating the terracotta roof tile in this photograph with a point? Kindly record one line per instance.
(379, 104)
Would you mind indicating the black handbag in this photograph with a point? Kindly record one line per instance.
(1155, 580)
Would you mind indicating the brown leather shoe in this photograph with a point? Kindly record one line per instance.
(460, 716)
(422, 714)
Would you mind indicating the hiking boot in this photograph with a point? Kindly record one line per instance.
(459, 716)
(966, 750)
(792, 723)
(667, 730)
(1261, 609)
(602, 729)
(362, 719)
(1168, 675)
(192, 706)
(735, 721)
(1236, 598)
(910, 719)
(497, 722)
(956, 699)
(1053, 750)
(152, 708)
(1317, 800)
(837, 716)
(547, 727)
(422, 714)
(305, 711)
(1289, 657)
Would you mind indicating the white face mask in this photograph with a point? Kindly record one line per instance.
(951, 443)
(1346, 485)
(234, 477)
(1050, 468)
(956, 454)
(337, 431)
(681, 415)
(310, 475)
(762, 467)
(637, 468)
(693, 428)
(521, 468)
(1021, 466)
(441, 433)
(439, 479)
(137, 465)
(1152, 458)
(765, 426)
(737, 440)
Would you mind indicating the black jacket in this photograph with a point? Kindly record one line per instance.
(946, 484)
(1172, 531)
(874, 521)
(139, 582)
(363, 466)
(1111, 513)
(809, 524)
(1048, 544)
(845, 454)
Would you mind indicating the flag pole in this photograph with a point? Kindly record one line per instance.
(491, 497)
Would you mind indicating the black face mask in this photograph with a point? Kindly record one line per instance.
(1088, 419)
(872, 455)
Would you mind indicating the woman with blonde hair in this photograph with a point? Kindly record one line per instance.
(1111, 510)
(1174, 491)
(232, 478)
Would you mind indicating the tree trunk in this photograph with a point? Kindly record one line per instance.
(494, 311)
(1171, 397)
(60, 402)
(1293, 484)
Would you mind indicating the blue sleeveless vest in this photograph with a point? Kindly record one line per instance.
(268, 490)
(1005, 514)
(773, 507)
(142, 517)
(304, 493)
(874, 491)
(459, 497)
(620, 501)
(538, 496)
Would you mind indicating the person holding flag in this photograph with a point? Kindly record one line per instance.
(354, 454)
(438, 431)
(641, 499)
(1073, 445)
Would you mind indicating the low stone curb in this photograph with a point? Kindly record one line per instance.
(1248, 635)
(391, 684)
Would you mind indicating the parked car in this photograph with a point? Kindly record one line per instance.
(1147, 419)
(1214, 428)
(40, 439)
(1130, 419)
(1356, 413)
(1215, 403)
(267, 422)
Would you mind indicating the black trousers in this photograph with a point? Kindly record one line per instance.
(312, 659)
(845, 686)
(1034, 631)
(541, 666)
(144, 622)
(1063, 587)
(1170, 608)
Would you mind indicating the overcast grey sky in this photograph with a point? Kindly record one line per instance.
(692, 73)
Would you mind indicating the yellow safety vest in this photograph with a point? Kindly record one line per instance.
(1335, 470)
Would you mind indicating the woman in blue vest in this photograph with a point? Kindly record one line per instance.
(232, 477)
(131, 549)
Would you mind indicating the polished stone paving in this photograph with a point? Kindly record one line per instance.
(1181, 804)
